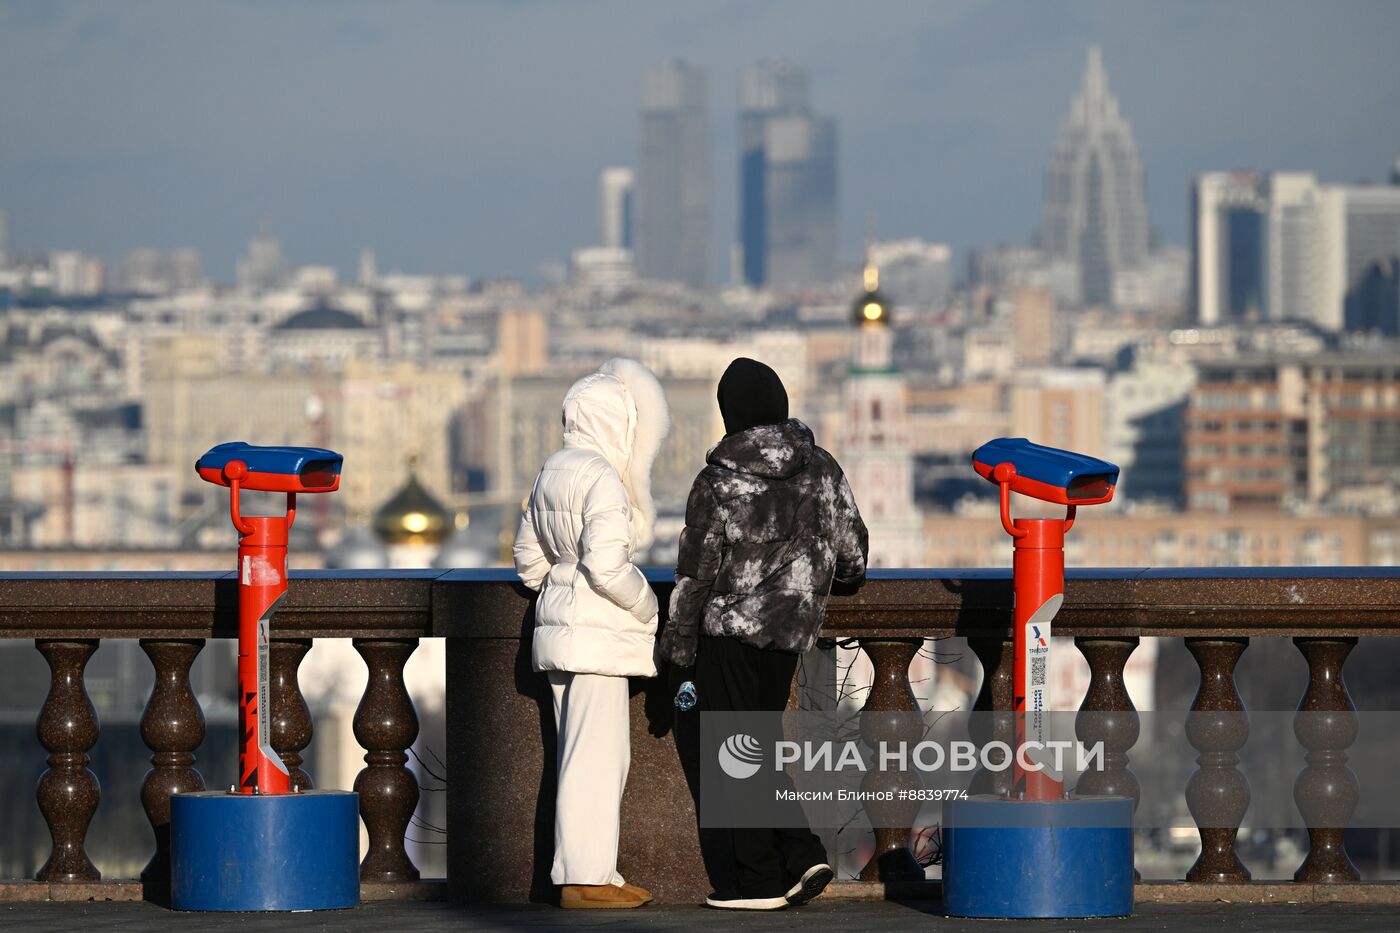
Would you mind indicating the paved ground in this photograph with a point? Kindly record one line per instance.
(836, 917)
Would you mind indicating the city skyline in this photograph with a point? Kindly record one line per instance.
(465, 175)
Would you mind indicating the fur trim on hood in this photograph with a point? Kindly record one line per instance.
(653, 423)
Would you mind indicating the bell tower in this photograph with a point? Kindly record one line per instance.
(875, 443)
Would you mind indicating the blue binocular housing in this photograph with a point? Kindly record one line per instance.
(273, 469)
(1046, 473)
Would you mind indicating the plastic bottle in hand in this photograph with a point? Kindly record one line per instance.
(686, 697)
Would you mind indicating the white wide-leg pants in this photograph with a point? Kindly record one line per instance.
(595, 750)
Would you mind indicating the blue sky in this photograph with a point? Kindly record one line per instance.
(467, 136)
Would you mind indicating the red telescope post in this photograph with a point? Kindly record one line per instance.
(262, 583)
(1038, 583)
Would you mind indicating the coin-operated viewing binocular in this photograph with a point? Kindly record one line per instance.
(270, 842)
(1037, 851)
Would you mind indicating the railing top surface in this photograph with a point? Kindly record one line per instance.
(1273, 601)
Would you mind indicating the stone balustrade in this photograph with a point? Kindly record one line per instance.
(500, 752)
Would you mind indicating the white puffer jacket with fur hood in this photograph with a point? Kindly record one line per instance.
(589, 513)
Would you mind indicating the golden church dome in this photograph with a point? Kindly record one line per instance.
(412, 516)
(871, 307)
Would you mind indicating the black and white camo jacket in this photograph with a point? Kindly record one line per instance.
(769, 525)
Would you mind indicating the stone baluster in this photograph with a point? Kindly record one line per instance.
(1108, 715)
(68, 792)
(992, 717)
(1326, 791)
(386, 725)
(891, 715)
(291, 728)
(172, 728)
(1217, 727)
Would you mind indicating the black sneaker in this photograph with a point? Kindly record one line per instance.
(746, 903)
(814, 881)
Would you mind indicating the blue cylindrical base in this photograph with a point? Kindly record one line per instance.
(255, 852)
(1055, 858)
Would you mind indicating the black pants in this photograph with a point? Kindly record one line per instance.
(751, 863)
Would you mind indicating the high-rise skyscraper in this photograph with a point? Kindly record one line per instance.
(787, 179)
(1095, 195)
(616, 186)
(4, 240)
(766, 89)
(1373, 303)
(1371, 227)
(1256, 241)
(673, 185)
(1281, 247)
(1228, 255)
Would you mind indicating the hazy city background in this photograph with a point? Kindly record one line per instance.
(1164, 234)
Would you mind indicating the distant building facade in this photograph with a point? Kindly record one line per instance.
(787, 179)
(1060, 408)
(1373, 303)
(617, 188)
(1369, 253)
(604, 270)
(1256, 248)
(673, 185)
(1145, 417)
(914, 273)
(1282, 247)
(1271, 433)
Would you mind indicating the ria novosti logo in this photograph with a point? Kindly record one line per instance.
(740, 756)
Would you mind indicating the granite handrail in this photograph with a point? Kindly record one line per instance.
(1179, 602)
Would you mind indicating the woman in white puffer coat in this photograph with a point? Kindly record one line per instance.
(589, 513)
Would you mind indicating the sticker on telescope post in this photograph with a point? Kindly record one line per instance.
(265, 686)
(259, 571)
(1038, 666)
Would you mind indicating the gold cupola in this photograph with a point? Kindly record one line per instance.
(871, 308)
(412, 515)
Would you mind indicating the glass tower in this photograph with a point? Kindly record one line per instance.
(673, 184)
(787, 179)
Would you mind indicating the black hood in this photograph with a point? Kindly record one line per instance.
(776, 451)
(750, 394)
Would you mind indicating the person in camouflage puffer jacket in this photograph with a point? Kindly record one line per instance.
(770, 524)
